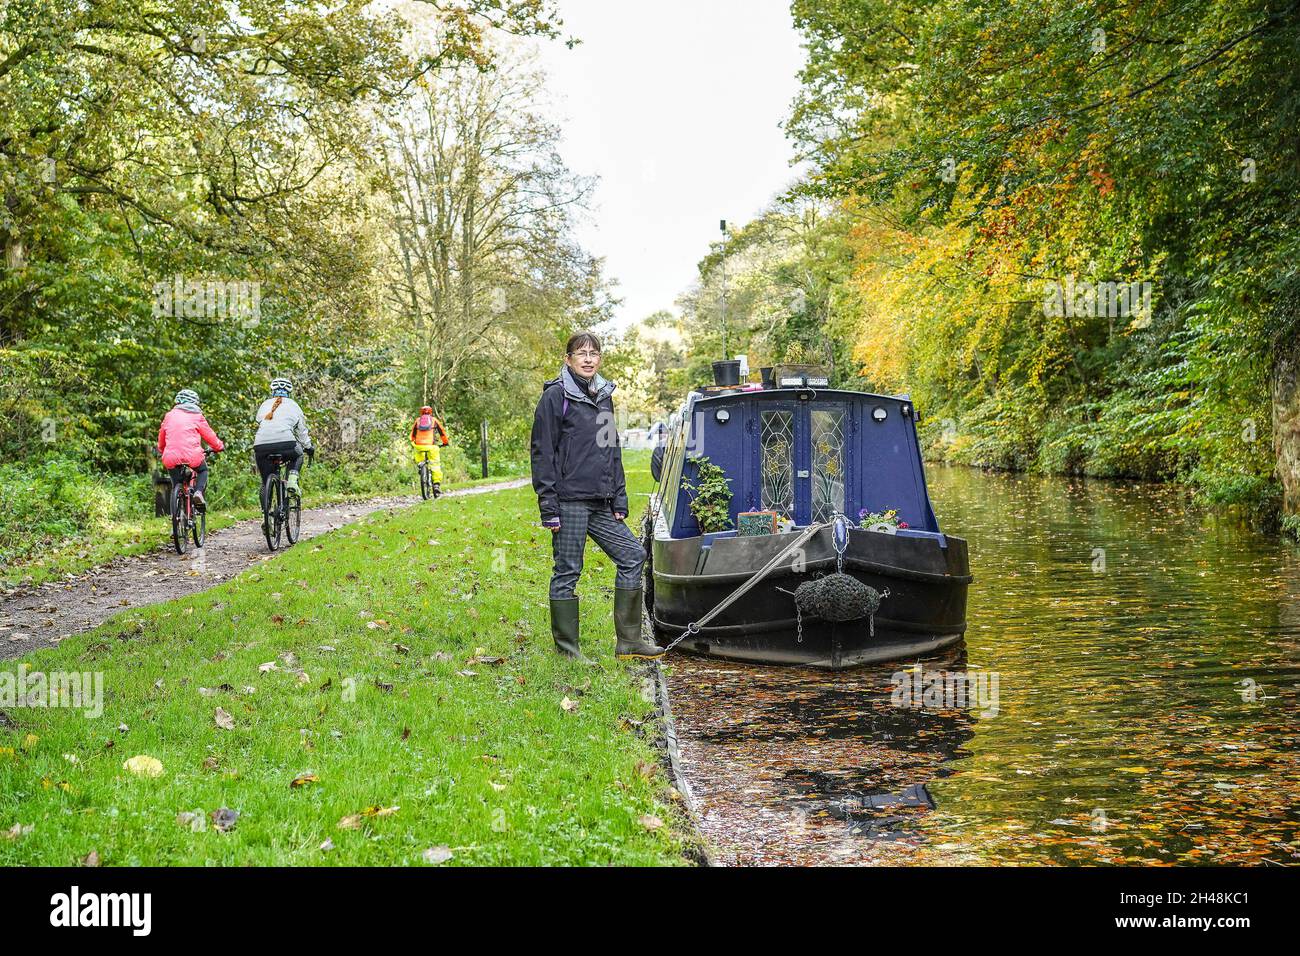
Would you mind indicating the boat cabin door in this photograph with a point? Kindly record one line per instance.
(804, 459)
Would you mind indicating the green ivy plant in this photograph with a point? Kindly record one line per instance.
(710, 496)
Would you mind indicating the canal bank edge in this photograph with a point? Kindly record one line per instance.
(697, 848)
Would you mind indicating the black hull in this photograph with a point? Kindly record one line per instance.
(924, 611)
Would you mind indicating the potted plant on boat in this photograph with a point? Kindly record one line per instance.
(710, 496)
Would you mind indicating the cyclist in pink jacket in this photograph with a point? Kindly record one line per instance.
(180, 439)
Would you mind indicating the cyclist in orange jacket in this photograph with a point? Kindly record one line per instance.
(428, 436)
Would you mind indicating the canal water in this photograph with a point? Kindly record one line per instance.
(1127, 693)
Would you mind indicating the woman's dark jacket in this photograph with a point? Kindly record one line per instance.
(575, 450)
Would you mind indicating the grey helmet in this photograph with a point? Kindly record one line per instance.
(187, 396)
(281, 386)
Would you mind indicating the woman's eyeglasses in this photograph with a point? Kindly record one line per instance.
(585, 355)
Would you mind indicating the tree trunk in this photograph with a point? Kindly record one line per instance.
(1285, 388)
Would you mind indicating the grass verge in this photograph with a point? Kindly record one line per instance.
(400, 669)
(122, 537)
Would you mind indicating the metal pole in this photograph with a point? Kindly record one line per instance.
(482, 441)
(726, 350)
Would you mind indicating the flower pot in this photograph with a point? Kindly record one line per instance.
(726, 372)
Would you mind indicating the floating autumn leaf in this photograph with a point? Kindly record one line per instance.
(568, 705)
(437, 854)
(142, 765)
(225, 819)
(650, 821)
(303, 781)
(224, 720)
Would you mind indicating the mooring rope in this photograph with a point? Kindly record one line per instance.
(694, 627)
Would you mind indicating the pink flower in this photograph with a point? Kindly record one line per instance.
(902, 524)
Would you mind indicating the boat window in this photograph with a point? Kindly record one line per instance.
(828, 472)
(776, 441)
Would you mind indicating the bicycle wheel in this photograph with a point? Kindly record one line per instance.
(271, 513)
(292, 516)
(180, 507)
(426, 482)
(199, 528)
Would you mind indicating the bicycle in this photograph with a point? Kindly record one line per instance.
(426, 480)
(187, 522)
(281, 507)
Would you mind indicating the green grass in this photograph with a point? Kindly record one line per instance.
(126, 534)
(487, 764)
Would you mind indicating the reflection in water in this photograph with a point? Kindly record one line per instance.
(1148, 659)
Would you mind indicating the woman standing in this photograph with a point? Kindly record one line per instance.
(581, 492)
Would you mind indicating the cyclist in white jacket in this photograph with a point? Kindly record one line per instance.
(281, 430)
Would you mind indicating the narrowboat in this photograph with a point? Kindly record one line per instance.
(828, 555)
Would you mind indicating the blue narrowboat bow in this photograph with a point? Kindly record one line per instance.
(795, 458)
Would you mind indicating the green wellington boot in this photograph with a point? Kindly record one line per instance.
(627, 626)
(564, 628)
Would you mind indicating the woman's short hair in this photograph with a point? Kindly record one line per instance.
(580, 340)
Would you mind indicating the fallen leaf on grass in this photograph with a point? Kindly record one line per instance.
(303, 781)
(486, 659)
(268, 666)
(650, 821)
(211, 763)
(401, 648)
(377, 625)
(442, 656)
(327, 845)
(568, 705)
(437, 854)
(225, 819)
(466, 673)
(224, 720)
(646, 770)
(195, 821)
(17, 831)
(90, 859)
(142, 765)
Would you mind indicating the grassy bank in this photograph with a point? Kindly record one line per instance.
(60, 518)
(414, 690)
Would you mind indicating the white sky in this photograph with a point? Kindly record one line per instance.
(675, 107)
